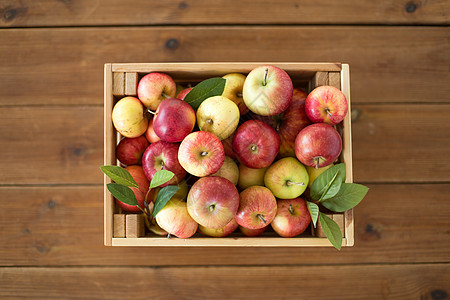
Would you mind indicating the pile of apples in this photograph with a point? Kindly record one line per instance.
(241, 159)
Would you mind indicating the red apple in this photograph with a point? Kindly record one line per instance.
(220, 232)
(256, 144)
(267, 90)
(150, 133)
(175, 219)
(292, 217)
(153, 88)
(318, 145)
(174, 120)
(326, 104)
(292, 121)
(138, 175)
(181, 95)
(252, 232)
(163, 156)
(130, 150)
(213, 201)
(228, 146)
(201, 153)
(257, 207)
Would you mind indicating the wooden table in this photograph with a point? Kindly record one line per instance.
(51, 146)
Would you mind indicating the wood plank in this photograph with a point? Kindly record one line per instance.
(388, 64)
(311, 282)
(41, 226)
(401, 143)
(51, 145)
(30, 13)
(119, 225)
(391, 143)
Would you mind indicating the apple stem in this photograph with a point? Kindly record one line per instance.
(265, 77)
(204, 153)
(253, 148)
(168, 235)
(328, 112)
(209, 121)
(291, 209)
(150, 111)
(288, 182)
(239, 95)
(261, 218)
(317, 162)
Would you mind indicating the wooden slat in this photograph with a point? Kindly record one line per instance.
(114, 12)
(280, 282)
(391, 143)
(64, 226)
(119, 225)
(388, 64)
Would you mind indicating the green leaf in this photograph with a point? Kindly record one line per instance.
(207, 88)
(119, 175)
(163, 197)
(313, 211)
(122, 193)
(328, 183)
(348, 197)
(161, 177)
(331, 230)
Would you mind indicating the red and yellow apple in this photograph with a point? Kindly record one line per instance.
(220, 232)
(181, 95)
(138, 175)
(150, 133)
(201, 153)
(326, 104)
(213, 201)
(249, 177)
(175, 219)
(292, 217)
(153, 88)
(229, 170)
(129, 150)
(233, 90)
(257, 207)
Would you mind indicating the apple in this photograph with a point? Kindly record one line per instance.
(291, 122)
(233, 90)
(175, 219)
(181, 95)
(292, 217)
(174, 120)
(257, 207)
(229, 170)
(267, 90)
(249, 177)
(228, 146)
(128, 117)
(129, 150)
(287, 178)
(163, 156)
(150, 133)
(138, 175)
(213, 201)
(201, 153)
(153, 88)
(252, 232)
(218, 115)
(318, 145)
(326, 104)
(220, 232)
(314, 173)
(256, 144)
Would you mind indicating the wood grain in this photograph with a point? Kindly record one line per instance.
(281, 282)
(64, 226)
(391, 143)
(387, 64)
(22, 13)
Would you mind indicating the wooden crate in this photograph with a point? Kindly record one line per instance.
(121, 80)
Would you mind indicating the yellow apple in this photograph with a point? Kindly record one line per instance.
(229, 170)
(219, 116)
(128, 117)
(233, 90)
(314, 173)
(250, 177)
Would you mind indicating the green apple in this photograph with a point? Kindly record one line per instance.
(287, 178)
(229, 170)
(314, 173)
(249, 177)
(218, 115)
